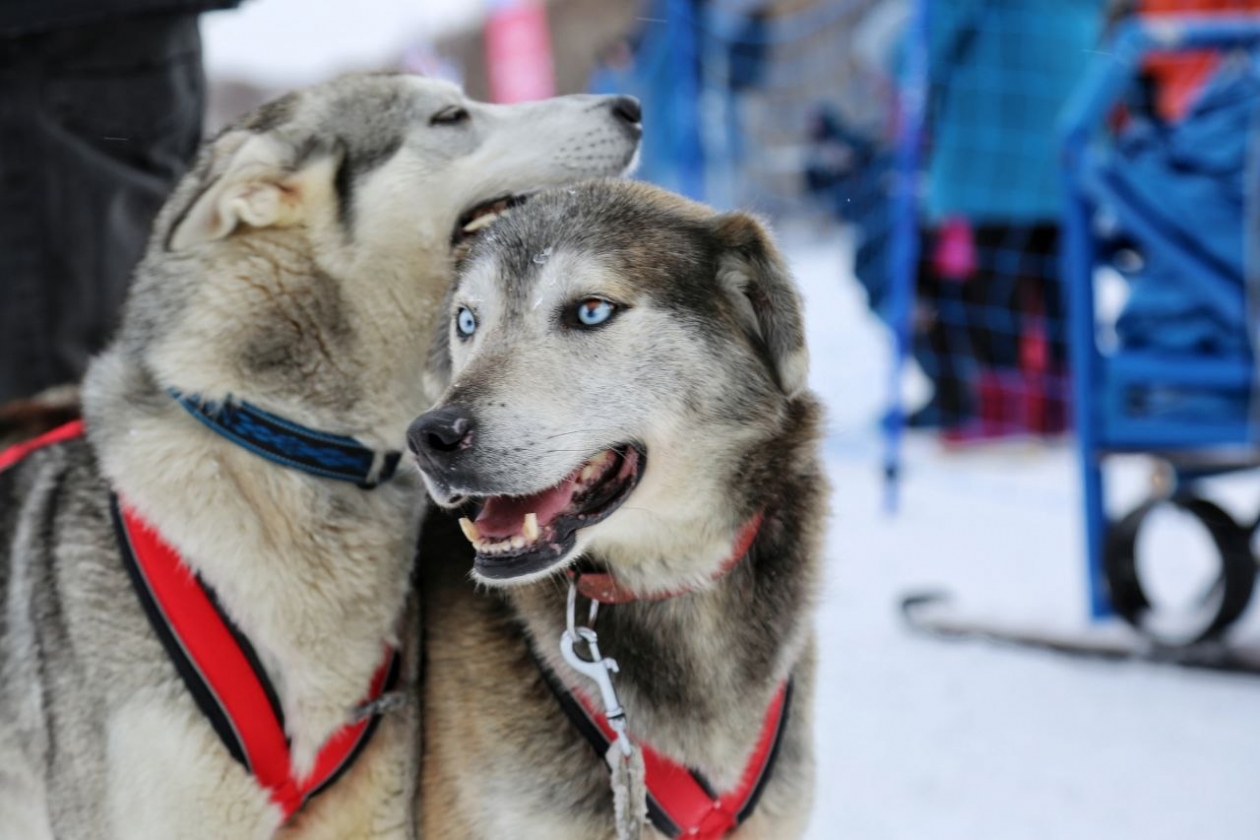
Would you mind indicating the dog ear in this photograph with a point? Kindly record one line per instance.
(266, 182)
(753, 274)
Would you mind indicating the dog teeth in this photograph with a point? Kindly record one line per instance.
(492, 547)
(595, 465)
(470, 530)
(484, 220)
(480, 222)
(530, 532)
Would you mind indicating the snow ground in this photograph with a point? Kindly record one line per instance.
(927, 740)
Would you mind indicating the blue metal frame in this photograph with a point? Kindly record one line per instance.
(905, 237)
(666, 77)
(1098, 381)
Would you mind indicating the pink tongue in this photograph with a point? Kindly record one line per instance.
(504, 516)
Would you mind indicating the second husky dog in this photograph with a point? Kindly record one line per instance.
(627, 404)
(198, 601)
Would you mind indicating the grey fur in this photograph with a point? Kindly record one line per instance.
(704, 367)
(258, 284)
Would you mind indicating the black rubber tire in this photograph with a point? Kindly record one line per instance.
(1237, 566)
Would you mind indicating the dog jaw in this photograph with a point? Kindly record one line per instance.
(522, 537)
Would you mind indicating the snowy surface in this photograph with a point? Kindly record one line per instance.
(279, 43)
(928, 740)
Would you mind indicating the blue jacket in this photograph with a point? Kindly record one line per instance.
(1181, 193)
(1000, 73)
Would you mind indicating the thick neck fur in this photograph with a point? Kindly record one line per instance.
(698, 671)
(315, 572)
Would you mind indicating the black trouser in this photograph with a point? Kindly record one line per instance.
(977, 323)
(96, 124)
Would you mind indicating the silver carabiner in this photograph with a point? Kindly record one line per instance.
(599, 669)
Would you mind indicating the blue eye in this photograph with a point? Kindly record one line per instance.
(592, 312)
(465, 321)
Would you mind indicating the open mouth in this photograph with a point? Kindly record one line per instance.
(481, 216)
(521, 535)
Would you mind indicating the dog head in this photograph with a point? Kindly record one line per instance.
(313, 241)
(397, 156)
(617, 356)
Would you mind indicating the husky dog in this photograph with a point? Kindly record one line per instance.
(627, 404)
(291, 281)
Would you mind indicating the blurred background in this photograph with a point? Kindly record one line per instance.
(1026, 234)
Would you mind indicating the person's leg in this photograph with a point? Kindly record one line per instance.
(955, 351)
(1045, 359)
(1044, 254)
(942, 344)
(96, 124)
(992, 295)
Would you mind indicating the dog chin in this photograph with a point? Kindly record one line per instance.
(632, 165)
(493, 575)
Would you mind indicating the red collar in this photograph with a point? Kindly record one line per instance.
(604, 588)
(216, 661)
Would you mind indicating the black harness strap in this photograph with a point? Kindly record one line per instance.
(767, 770)
(589, 729)
(204, 696)
(202, 692)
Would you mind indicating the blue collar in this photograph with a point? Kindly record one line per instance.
(286, 443)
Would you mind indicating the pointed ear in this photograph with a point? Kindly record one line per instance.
(754, 276)
(264, 183)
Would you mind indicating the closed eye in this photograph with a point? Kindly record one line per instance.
(452, 115)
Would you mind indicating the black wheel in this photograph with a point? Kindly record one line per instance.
(1218, 607)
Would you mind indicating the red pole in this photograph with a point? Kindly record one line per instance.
(518, 51)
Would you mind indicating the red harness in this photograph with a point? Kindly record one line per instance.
(681, 802)
(217, 662)
(15, 453)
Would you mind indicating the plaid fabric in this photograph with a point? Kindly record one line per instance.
(1001, 71)
(96, 124)
(24, 17)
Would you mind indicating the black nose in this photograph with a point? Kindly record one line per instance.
(440, 432)
(628, 109)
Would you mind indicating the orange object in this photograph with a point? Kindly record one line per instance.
(1180, 76)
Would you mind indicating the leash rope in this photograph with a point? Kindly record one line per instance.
(680, 802)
